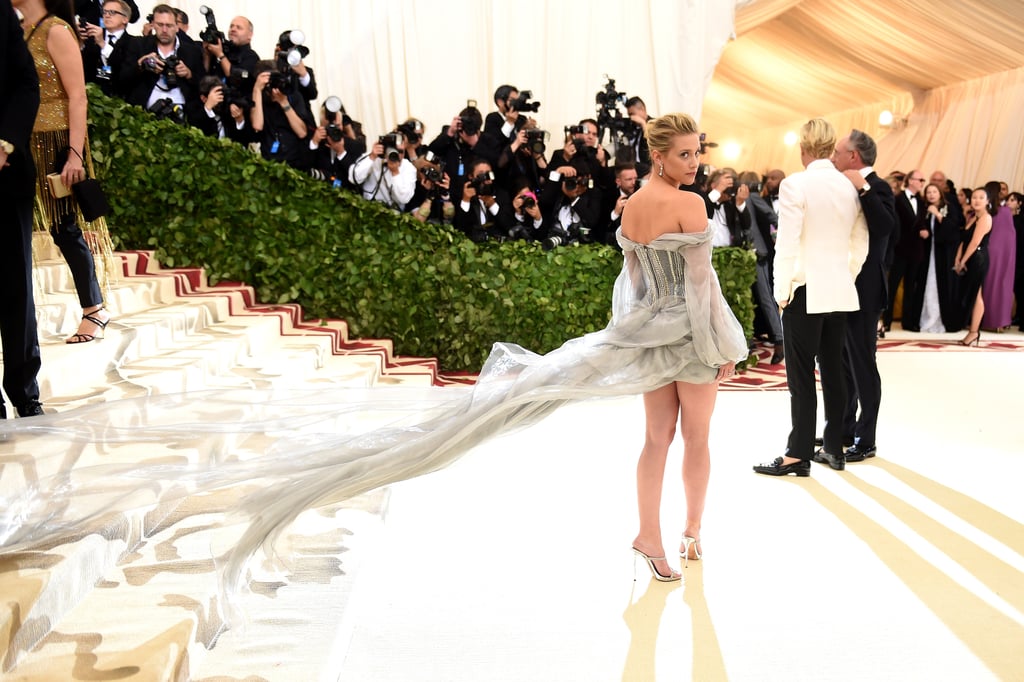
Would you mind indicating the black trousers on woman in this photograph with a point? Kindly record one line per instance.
(70, 240)
(808, 336)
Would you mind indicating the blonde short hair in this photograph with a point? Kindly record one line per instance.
(817, 138)
(663, 129)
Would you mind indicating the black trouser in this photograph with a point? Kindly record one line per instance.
(18, 311)
(69, 238)
(808, 336)
(863, 383)
(905, 269)
(765, 299)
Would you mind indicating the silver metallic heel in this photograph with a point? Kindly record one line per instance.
(671, 577)
(685, 554)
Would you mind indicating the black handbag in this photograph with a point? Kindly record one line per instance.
(92, 200)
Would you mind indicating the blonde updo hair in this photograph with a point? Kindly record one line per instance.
(663, 129)
(817, 138)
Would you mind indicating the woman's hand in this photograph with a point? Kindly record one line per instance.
(73, 171)
(726, 371)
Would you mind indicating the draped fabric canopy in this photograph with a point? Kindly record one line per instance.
(952, 72)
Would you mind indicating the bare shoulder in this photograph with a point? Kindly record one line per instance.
(693, 214)
(653, 211)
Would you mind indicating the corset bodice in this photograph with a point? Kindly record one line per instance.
(662, 271)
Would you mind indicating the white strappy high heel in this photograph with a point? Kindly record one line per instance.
(660, 577)
(685, 554)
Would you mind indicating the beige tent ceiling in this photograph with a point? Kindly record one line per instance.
(794, 59)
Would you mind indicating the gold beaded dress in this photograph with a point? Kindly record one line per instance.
(51, 137)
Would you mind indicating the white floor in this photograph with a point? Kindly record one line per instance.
(515, 563)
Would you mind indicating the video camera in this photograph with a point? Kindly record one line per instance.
(609, 114)
(211, 34)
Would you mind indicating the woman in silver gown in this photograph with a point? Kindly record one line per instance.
(671, 337)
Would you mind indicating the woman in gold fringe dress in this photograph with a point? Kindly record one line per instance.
(59, 132)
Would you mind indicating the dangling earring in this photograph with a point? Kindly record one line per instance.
(661, 170)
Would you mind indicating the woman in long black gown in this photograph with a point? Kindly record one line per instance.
(972, 261)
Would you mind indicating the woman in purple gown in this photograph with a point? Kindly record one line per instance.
(998, 288)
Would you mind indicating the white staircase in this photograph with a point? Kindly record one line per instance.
(135, 597)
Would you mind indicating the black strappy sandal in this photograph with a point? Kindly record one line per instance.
(79, 337)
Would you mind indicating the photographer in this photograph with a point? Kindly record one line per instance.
(335, 147)
(484, 211)
(104, 47)
(459, 143)
(432, 202)
(280, 122)
(412, 130)
(504, 123)
(290, 49)
(159, 66)
(728, 203)
(767, 321)
(522, 160)
(641, 154)
(182, 18)
(384, 174)
(220, 58)
(529, 221)
(571, 211)
(626, 183)
(216, 116)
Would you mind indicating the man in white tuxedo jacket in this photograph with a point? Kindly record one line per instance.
(821, 244)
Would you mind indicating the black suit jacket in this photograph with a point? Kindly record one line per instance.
(137, 83)
(92, 62)
(478, 229)
(880, 214)
(338, 169)
(909, 244)
(19, 102)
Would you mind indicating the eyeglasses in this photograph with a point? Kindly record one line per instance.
(918, 179)
(112, 12)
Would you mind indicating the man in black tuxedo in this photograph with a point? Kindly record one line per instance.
(485, 211)
(908, 251)
(854, 155)
(91, 10)
(728, 204)
(104, 47)
(19, 102)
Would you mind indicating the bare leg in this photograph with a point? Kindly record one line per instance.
(661, 407)
(697, 402)
(977, 312)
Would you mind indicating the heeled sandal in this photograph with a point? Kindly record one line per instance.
(689, 542)
(973, 342)
(658, 575)
(81, 337)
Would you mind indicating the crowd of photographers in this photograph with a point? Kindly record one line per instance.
(496, 178)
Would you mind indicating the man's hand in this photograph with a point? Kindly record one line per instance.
(3, 159)
(258, 85)
(376, 151)
(237, 113)
(279, 97)
(489, 200)
(533, 211)
(924, 234)
(215, 49)
(519, 141)
(566, 171)
(569, 149)
(742, 194)
(468, 192)
(620, 204)
(215, 98)
(455, 127)
(511, 116)
(855, 178)
(95, 32)
(183, 71)
(319, 135)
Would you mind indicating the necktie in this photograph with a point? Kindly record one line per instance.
(111, 38)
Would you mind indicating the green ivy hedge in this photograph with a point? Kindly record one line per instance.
(202, 202)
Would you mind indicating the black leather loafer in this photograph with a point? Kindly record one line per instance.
(820, 442)
(859, 453)
(777, 468)
(837, 462)
(33, 409)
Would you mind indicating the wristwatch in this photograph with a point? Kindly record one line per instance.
(864, 189)
(7, 147)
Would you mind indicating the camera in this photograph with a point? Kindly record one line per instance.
(483, 184)
(576, 130)
(390, 140)
(149, 17)
(279, 81)
(523, 103)
(705, 144)
(529, 201)
(292, 48)
(411, 129)
(574, 182)
(754, 187)
(210, 34)
(536, 141)
(235, 90)
(170, 64)
(610, 116)
(167, 109)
